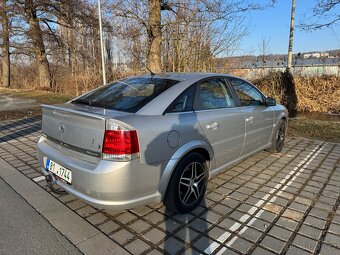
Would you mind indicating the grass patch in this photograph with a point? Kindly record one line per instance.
(316, 129)
(41, 96)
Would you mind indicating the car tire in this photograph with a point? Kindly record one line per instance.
(279, 136)
(188, 184)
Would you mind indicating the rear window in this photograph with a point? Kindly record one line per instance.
(128, 95)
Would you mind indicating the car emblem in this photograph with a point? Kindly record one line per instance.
(61, 127)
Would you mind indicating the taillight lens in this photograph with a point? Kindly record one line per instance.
(120, 144)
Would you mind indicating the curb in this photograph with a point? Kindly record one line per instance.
(83, 235)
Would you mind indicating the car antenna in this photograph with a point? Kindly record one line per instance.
(140, 61)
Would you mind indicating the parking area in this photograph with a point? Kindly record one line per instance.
(268, 204)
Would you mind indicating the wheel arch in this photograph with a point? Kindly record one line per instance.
(194, 146)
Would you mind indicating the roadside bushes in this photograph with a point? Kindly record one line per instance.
(314, 94)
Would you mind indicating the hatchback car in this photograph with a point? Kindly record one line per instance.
(156, 138)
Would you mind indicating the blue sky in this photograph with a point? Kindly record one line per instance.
(273, 23)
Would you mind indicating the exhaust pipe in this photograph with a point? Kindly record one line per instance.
(50, 181)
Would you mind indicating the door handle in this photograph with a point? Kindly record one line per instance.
(213, 126)
(250, 119)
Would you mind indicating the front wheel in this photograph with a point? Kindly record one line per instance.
(279, 137)
(187, 185)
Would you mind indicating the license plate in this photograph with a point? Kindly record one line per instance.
(59, 170)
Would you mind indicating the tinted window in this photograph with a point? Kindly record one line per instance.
(127, 95)
(247, 93)
(213, 94)
(183, 103)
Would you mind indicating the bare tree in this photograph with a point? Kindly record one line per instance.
(6, 74)
(326, 13)
(36, 34)
(264, 48)
(154, 36)
(291, 36)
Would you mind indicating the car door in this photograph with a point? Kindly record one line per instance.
(259, 118)
(221, 120)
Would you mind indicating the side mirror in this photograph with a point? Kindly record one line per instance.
(270, 101)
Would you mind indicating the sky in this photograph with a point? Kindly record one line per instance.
(273, 24)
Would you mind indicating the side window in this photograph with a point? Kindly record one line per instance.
(248, 94)
(183, 103)
(213, 94)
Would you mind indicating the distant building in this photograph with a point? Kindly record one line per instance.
(316, 55)
(308, 55)
(324, 54)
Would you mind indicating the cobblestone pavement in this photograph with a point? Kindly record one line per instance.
(268, 204)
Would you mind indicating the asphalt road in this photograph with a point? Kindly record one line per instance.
(24, 231)
(11, 103)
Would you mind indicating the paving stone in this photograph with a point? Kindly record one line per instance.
(310, 231)
(155, 217)
(155, 235)
(142, 210)
(139, 226)
(260, 251)
(137, 246)
(86, 211)
(260, 225)
(187, 234)
(184, 218)
(221, 209)
(268, 216)
(108, 227)
(101, 245)
(287, 223)
(252, 234)
(241, 245)
(155, 252)
(332, 239)
(280, 233)
(315, 222)
(272, 244)
(75, 205)
(327, 250)
(171, 225)
(292, 214)
(216, 232)
(97, 218)
(298, 207)
(203, 243)
(210, 216)
(172, 245)
(305, 243)
(293, 250)
(126, 217)
(122, 236)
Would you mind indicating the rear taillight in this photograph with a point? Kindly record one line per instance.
(120, 144)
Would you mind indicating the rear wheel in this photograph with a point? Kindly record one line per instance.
(279, 137)
(187, 185)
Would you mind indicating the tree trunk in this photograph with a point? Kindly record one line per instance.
(291, 36)
(43, 67)
(154, 37)
(6, 68)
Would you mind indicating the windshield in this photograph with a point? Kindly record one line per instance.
(128, 95)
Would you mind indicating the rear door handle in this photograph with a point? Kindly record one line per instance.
(213, 126)
(250, 119)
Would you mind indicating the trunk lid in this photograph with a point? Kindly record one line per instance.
(75, 127)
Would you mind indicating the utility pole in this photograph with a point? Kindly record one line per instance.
(291, 36)
(101, 41)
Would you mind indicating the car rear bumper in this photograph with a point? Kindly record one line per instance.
(103, 183)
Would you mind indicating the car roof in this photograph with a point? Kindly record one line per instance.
(184, 76)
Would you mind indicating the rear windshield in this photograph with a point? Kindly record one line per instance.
(128, 95)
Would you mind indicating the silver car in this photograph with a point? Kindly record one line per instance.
(156, 138)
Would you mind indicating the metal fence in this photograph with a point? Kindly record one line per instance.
(258, 72)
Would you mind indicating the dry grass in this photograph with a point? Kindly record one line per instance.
(316, 129)
(315, 94)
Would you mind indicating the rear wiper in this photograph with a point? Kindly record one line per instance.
(82, 101)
